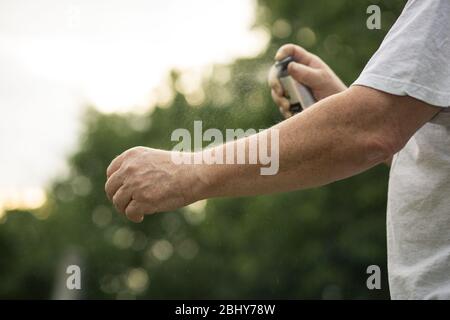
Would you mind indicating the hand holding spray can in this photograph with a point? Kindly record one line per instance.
(300, 97)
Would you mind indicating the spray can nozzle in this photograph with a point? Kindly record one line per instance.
(299, 96)
(282, 65)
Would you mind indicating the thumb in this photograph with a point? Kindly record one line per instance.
(305, 75)
(137, 218)
(133, 212)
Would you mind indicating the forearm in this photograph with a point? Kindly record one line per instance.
(325, 143)
(338, 137)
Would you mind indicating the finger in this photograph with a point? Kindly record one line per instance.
(136, 207)
(286, 114)
(114, 183)
(283, 104)
(281, 101)
(278, 88)
(122, 198)
(274, 83)
(136, 210)
(306, 75)
(298, 53)
(137, 218)
(115, 164)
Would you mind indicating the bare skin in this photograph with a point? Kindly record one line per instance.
(346, 132)
(310, 71)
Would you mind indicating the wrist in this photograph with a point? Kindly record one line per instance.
(199, 185)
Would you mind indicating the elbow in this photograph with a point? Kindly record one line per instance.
(381, 147)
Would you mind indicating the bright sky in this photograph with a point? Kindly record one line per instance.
(58, 55)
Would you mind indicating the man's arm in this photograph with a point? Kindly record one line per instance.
(338, 137)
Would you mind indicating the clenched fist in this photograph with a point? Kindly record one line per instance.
(144, 181)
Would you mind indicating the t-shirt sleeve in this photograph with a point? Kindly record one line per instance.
(414, 57)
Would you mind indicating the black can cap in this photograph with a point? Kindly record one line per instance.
(283, 64)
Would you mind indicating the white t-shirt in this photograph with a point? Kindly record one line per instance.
(414, 60)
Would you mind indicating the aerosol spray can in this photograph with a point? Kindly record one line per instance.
(299, 96)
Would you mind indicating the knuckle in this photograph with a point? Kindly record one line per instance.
(149, 197)
(118, 207)
(138, 149)
(293, 69)
(108, 191)
(130, 168)
(285, 49)
(115, 198)
(306, 73)
(140, 195)
(315, 56)
(289, 46)
(132, 151)
(323, 75)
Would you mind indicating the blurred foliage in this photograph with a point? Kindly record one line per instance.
(306, 244)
